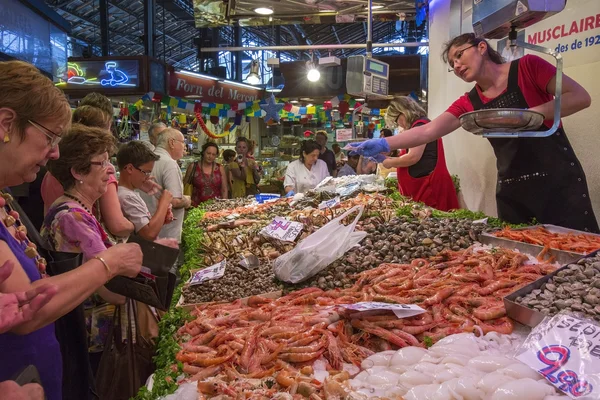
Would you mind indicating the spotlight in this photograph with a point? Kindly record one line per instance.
(263, 10)
(313, 74)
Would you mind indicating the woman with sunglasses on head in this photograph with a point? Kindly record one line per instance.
(33, 116)
(422, 172)
(538, 178)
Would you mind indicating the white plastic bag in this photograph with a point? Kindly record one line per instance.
(317, 251)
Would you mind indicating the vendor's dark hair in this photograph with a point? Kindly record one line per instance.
(206, 145)
(228, 154)
(135, 153)
(385, 132)
(308, 146)
(242, 139)
(473, 40)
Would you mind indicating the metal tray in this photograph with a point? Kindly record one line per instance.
(525, 315)
(562, 257)
(501, 120)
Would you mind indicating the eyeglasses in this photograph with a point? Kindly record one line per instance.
(458, 56)
(147, 173)
(53, 138)
(103, 164)
(180, 141)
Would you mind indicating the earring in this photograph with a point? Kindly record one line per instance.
(6, 138)
(80, 182)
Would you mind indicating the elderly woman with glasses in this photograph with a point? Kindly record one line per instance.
(33, 116)
(538, 178)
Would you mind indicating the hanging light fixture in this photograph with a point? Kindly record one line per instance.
(264, 10)
(313, 73)
(253, 77)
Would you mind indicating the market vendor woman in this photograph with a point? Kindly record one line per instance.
(538, 178)
(307, 172)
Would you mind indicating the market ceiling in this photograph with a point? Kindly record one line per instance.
(176, 26)
(210, 13)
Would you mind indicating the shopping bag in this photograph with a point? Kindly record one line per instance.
(188, 179)
(125, 366)
(320, 249)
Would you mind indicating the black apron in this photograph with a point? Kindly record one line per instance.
(538, 178)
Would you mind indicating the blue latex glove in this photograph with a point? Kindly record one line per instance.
(290, 193)
(371, 148)
(379, 158)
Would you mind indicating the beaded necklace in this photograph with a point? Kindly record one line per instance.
(79, 202)
(12, 218)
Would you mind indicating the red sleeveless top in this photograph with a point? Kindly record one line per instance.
(206, 187)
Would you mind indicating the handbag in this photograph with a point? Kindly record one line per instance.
(124, 366)
(188, 179)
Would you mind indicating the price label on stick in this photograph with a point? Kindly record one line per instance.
(206, 274)
(282, 229)
(329, 203)
(401, 310)
(567, 354)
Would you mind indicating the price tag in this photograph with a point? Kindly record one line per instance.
(329, 203)
(283, 229)
(206, 274)
(567, 354)
(401, 310)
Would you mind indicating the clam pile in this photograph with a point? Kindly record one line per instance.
(237, 283)
(574, 288)
(398, 241)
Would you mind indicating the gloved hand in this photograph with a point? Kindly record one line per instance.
(371, 148)
(379, 158)
(291, 193)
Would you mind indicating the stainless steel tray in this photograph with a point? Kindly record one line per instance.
(525, 315)
(501, 120)
(562, 257)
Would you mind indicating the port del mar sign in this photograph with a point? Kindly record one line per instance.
(210, 91)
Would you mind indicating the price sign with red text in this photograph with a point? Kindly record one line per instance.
(282, 229)
(567, 353)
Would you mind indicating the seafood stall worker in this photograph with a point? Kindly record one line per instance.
(422, 171)
(351, 165)
(326, 155)
(538, 178)
(307, 172)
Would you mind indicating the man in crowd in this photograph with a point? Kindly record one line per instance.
(351, 166)
(170, 147)
(326, 154)
(136, 163)
(153, 132)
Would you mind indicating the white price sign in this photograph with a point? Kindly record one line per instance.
(401, 310)
(329, 203)
(206, 274)
(282, 229)
(567, 354)
(342, 135)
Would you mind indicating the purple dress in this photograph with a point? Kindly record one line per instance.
(39, 348)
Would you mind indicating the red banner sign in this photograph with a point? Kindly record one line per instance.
(210, 91)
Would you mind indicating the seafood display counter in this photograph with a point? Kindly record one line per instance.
(246, 334)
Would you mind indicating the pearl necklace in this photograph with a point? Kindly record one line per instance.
(12, 218)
